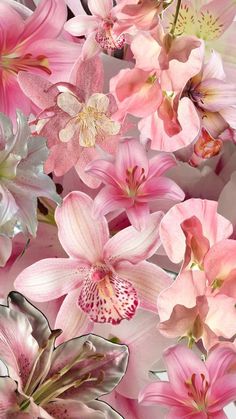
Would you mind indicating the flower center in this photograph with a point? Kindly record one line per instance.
(135, 176)
(12, 63)
(197, 387)
(90, 121)
(106, 37)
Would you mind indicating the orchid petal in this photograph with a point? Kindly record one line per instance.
(100, 9)
(50, 278)
(71, 320)
(81, 25)
(134, 246)
(148, 279)
(80, 235)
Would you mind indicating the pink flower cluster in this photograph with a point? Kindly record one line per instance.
(117, 215)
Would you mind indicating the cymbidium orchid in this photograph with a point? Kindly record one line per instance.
(34, 46)
(22, 179)
(195, 388)
(48, 382)
(75, 119)
(132, 181)
(103, 278)
(97, 28)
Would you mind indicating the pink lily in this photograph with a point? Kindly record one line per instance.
(133, 181)
(205, 228)
(195, 389)
(103, 278)
(44, 381)
(213, 97)
(75, 118)
(97, 28)
(34, 46)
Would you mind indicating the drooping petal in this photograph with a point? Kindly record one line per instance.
(110, 199)
(134, 246)
(40, 327)
(138, 215)
(50, 278)
(71, 319)
(80, 235)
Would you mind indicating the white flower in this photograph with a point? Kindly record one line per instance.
(22, 181)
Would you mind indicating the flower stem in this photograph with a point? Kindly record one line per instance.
(172, 31)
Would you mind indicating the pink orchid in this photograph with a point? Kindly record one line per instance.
(201, 225)
(44, 381)
(33, 47)
(195, 313)
(75, 118)
(105, 278)
(97, 28)
(195, 389)
(133, 181)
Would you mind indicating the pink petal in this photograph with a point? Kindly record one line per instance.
(100, 9)
(138, 215)
(76, 7)
(81, 25)
(152, 127)
(160, 188)
(220, 361)
(108, 301)
(37, 89)
(80, 235)
(219, 263)
(217, 94)
(11, 18)
(90, 48)
(223, 391)
(104, 170)
(110, 199)
(134, 246)
(8, 389)
(159, 393)
(71, 320)
(159, 164)
(215, 227)
(18, 348)
(46, 22)
(148, 279)
(88, 75)
(50, 278)
(181, 363)
(73, 408)
(130, 154)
